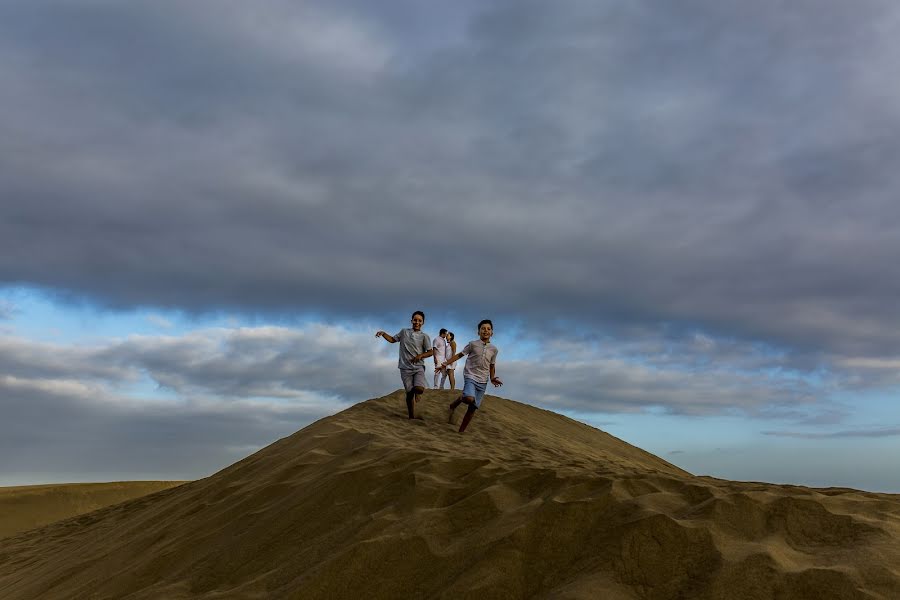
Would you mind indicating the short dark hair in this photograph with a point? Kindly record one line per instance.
(442, 331)
(483, 321)
(418, 312)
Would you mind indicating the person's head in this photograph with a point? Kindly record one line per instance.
(450, 336)
(417, 320)
(442, 333)
(485, 330)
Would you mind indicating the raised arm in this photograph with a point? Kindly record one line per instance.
(388, 337)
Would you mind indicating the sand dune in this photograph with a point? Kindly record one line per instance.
(29, 506)
(527, 504)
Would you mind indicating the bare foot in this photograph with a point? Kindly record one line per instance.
(450, 412)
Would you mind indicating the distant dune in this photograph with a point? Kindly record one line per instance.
(29, 506)
(527, 504)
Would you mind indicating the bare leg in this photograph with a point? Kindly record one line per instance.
(470, 412)
(410, 404)
(417, 392)
(452, 376)
(453, 406)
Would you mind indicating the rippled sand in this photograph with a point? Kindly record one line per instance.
(526, 504)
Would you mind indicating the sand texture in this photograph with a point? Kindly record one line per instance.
(29, 506)
(527, 504)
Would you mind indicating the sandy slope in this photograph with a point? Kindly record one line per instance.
(527, 504)
(29, 506)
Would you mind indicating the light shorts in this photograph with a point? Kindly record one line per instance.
(473, 389)
(413, 378)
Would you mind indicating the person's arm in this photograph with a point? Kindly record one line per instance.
(419, 357)
(453, 359)
(494, 379)
(388, 337)
(466, 349)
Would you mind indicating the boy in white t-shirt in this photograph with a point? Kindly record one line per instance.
(480, 368)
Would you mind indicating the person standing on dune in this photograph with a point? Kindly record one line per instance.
(450, 370)
(440, 349)
(480, 366)
(415, 345)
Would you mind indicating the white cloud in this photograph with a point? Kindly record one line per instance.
(159, 321)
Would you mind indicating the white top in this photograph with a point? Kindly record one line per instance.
(440, 349)
(479, 358)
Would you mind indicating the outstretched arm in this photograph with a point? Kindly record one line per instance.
(453, 359)
(388, 337)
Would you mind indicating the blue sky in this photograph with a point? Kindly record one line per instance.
(680, 218)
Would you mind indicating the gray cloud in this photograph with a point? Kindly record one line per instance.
(37, 360)
(870, 432)
(715, 166)
(269, 362)
(161, 406)
(58, 426)
(64, 431)
(618, 386)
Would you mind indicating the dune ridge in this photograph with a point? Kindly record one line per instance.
(29, 506)
(526, 504)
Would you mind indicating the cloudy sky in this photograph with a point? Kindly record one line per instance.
(681, 217)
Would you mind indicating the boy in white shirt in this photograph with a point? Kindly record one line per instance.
(480, 368)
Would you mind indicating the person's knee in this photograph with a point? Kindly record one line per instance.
(418, 389)
(470, 400)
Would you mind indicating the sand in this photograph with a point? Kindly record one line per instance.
(29, 506)
(526, 504)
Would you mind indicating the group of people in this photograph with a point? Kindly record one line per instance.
(444, 347)
(415, 346)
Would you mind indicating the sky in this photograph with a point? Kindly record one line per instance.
(681, 218)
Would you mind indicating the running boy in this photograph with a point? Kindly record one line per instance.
(414, 346)
(480, 364)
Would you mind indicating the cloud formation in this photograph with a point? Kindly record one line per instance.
(716, 165)
(215, 395)
(684, 209)
(870, 432)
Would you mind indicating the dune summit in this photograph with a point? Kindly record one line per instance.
(526, 504)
